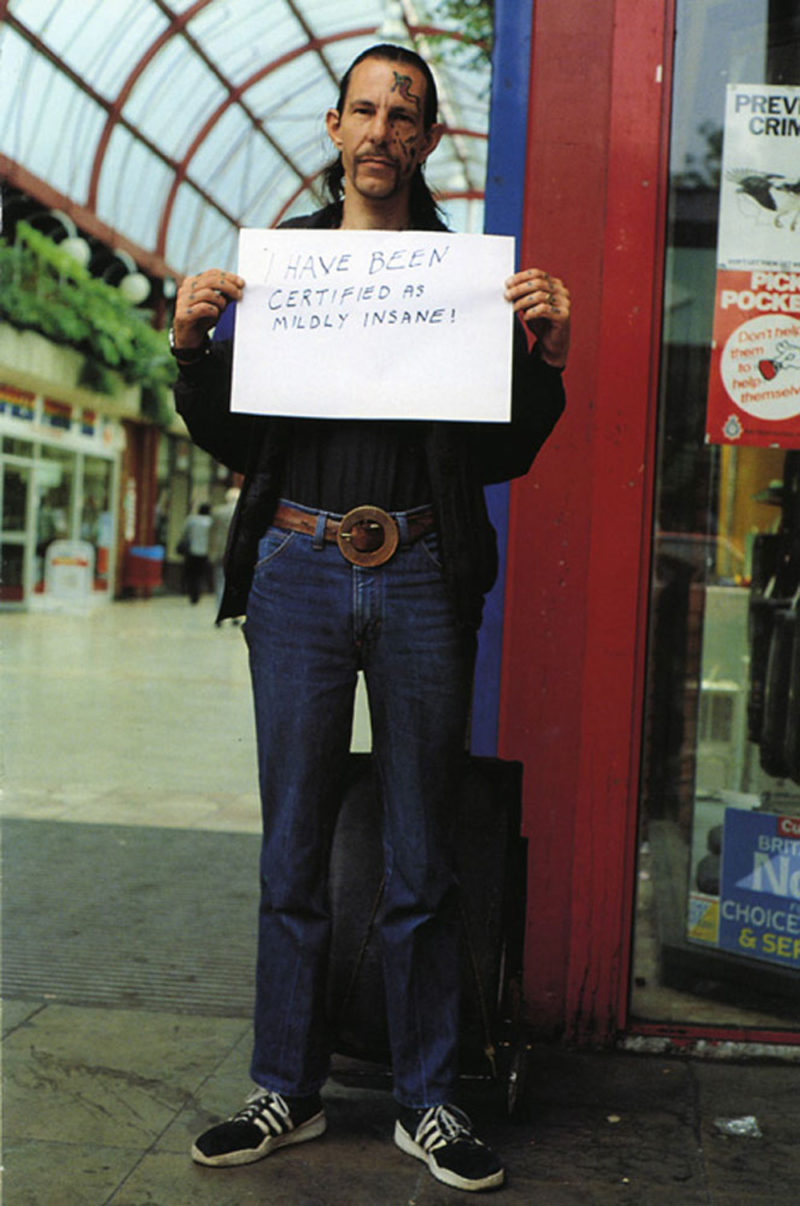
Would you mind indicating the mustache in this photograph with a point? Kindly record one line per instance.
(377, 153)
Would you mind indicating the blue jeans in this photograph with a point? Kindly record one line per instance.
(314, 620)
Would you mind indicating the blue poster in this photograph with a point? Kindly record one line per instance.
(760, 891)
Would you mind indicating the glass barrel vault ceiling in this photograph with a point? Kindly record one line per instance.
(175, 122)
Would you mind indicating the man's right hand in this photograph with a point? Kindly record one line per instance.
(199, 303)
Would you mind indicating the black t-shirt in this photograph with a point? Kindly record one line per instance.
(334, 465)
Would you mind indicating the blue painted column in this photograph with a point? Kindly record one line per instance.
(505, 183)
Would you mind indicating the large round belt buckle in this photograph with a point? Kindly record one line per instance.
(367, 536)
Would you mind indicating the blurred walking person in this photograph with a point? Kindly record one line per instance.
(195, 539)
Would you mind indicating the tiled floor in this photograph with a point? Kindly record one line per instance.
(138, 716)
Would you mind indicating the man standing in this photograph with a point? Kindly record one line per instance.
(363, 545)
(196, 532)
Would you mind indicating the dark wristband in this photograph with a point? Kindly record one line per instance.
(188, 355)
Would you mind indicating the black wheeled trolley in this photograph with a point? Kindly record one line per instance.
(492, 867)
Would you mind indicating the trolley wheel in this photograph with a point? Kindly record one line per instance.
(517, 1078)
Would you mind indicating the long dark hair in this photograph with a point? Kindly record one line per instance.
(423, 209)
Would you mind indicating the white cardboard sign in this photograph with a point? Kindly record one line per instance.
(373, 324)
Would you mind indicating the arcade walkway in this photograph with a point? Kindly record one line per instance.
(129, 884)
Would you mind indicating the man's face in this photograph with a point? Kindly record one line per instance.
(380, 132)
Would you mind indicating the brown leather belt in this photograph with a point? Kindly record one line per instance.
(366, 536)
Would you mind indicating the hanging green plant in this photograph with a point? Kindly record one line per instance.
(96, 376)
(44, 289)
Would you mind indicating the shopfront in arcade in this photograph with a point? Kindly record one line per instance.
(59, 483)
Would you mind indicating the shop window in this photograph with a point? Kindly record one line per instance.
(14, 486)
(13, 447)
(15, 498)
(12, 559)
(717, 936)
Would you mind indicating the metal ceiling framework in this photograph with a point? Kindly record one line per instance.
(204, 176)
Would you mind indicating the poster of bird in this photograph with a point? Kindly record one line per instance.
(754, 383)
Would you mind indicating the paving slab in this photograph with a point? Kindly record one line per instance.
(64, 1174)
(293, 1177)
(112, 1077)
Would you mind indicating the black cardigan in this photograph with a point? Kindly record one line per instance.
(461, 459)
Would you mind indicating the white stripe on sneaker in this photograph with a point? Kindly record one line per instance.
(270, 1114)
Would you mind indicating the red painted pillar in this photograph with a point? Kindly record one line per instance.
(580, 522)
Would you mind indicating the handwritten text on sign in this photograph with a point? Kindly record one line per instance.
(373, 324)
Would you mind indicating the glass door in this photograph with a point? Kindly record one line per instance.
(717, 932)
(55, 502)
(15, 555)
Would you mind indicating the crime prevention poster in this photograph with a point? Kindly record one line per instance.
(754, 383)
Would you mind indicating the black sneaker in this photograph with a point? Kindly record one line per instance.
(442, 1136)
(268, 1121)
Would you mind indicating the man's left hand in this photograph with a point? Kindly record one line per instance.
(543, 302)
